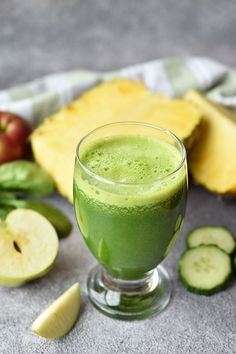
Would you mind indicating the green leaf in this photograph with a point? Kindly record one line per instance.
(25, 176)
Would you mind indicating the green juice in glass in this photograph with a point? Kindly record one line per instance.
(129, 197)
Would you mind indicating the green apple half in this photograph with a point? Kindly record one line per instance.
(59, 318)
(28, 247)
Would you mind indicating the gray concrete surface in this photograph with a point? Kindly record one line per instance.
(48, 36)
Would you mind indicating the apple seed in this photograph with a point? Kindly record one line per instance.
(16, 246)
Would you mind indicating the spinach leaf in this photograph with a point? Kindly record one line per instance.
(26, 177)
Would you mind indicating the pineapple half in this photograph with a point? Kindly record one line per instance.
(212, 161)
(54, 141)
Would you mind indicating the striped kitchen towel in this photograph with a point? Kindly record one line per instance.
(172, 76)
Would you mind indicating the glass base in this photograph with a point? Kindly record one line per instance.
(129, 300)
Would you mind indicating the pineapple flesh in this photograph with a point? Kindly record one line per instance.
(54, 141)
(212, 161)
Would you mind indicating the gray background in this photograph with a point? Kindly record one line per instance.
(40, 37)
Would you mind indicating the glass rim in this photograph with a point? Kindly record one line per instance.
(147, 125)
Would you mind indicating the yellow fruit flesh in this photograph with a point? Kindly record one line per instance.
(212, 161)
(59, 318)
(54, 142)
(28, 247)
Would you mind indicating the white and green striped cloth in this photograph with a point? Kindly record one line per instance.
(173, 76)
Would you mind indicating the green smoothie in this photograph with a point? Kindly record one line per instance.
(128, 202)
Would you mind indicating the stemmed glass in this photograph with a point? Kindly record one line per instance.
(130, 227)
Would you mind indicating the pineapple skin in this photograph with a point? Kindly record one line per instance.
(54, 142)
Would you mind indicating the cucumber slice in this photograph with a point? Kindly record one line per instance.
(205, 269)
(211, 235)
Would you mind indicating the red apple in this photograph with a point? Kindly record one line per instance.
(14, 132)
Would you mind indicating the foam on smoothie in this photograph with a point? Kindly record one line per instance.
(131, 159)
(136, 165)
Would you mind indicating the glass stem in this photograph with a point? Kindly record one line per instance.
(132, 287)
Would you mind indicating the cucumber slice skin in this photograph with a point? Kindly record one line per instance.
(203, 291)
(199, 291)
(234, 265)
(203, 228)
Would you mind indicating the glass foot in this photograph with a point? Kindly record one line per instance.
(129, 300)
